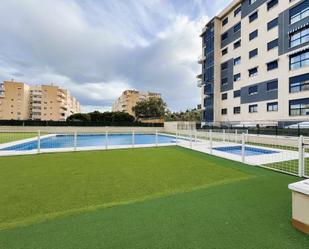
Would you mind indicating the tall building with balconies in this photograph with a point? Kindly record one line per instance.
(130, 98)
(19, 101)
(255, 63)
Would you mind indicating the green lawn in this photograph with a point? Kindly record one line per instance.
(6, 137)
(143, 198)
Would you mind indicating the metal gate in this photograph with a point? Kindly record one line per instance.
(306, 159)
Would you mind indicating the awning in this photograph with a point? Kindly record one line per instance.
(298, 28)
(298, 50)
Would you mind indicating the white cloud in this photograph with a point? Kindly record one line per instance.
(97, 49)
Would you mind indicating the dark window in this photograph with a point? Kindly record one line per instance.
(237, 11)
(299, 107)
(237, 27)
(236, 93)
(253, 108)
(252, 1)
(237, 61)
(253, 35)
(237, 44)
(272, 65)
(299, 83)
(252, 90)
(237, 110)
(272, 107)
(271, 4)
(273, 85)
(299, 12)
(224, 51)
(225, 21)
(224, 81)
(272, 44)
(224, 96)
(272, 24)
(299, 60)
(299, 37)
(253, 71)
(253, 53)
(224, 36)
(253, 16)
(224, 66)
(237, 77)
(224, 111)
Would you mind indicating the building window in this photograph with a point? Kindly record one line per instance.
(299, 12)
(253, 53)
(237, 11)
(237, 77)
(253, 16)
(224, 81)
(224, 36)
(299, 37)
(236, 93)
(237, 61)
(224, 51)
(253, 35)
(225, 21)
(299, 107)
(252, 1)
(224, 66)
(272, 24)
(272, 65)
(237, 110)
(224, 111)
(299, 60)
(272, 107)
(253, 90)
(273, 85)
(224, 96)
(272, 44)
(271, 4)
(299, 83)
(253, 108)
(237, 27)
(237, 44)
(253, 72)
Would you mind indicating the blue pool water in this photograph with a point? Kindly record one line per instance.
(249, 151)
(97, 140)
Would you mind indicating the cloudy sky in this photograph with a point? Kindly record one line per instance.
(98, 48)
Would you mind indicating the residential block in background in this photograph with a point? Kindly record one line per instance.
(19, 101)
(130, 98)
(255, 63)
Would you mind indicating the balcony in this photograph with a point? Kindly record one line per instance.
(201, 59)
(199, 76)
(199, 83)
(203, 31)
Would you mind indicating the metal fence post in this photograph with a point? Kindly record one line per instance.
(243, 148)
(210, 141)
(106, 140)
(191, 138)
(75, 140)
(236, 136)
(156, 138)
(224, 136)
(176, 137)
(301, 161)
(133, 139)
(195, 135)
(39, 141)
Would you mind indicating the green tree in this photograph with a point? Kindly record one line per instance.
(188, 115)
(150, 108)
(79, 117)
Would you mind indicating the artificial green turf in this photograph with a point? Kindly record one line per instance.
(6, 137)
(34, 188)
(252, 213)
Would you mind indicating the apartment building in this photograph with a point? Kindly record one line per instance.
(255, 63)
(129, 98)
(19, 101)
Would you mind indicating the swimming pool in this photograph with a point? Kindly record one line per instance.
(90, 140)
(249, 151)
